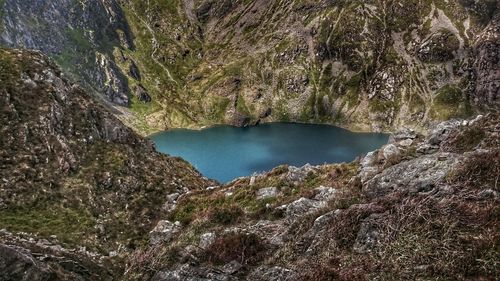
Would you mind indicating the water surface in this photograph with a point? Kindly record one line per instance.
(225, 153)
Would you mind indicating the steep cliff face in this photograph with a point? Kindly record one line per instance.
(80, 35)
(487, 66)
(84, 186)
(373, 65)
(368, 65)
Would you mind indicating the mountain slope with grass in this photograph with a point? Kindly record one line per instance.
(78, 189)
(364, 65)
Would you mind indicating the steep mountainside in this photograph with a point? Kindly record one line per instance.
(82, 197)
(367, 65)
(73, 176)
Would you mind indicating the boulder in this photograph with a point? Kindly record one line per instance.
(369, 166)
(404, 134)
(206, 240)
(232, 267)
(391, 152)
(163, 232)
(416, 175)
(325, 193)
(368, 234)
(18, 264)
(442, 131)
(297, 175)
(302, 207)
(268, 192)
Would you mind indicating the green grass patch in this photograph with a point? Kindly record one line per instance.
(450, 103)
(69, 225)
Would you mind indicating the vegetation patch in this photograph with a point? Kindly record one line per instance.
(245, 248)
(68, 224)
(450, 103)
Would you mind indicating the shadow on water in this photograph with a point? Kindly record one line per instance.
(225, 153)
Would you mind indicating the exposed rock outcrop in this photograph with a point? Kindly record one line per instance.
(487, 66)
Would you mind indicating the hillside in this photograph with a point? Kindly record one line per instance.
(364, 65)
(77, 187)
(82, 197)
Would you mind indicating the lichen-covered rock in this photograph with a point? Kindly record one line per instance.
(206, 240)
(163, 232)
(391, 151)
(302, 207)
(420, 175)
(268, 192)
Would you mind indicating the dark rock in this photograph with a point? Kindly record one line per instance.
(487, 67)
(440, 47)
(368, 235)
(240, 120)
(266, 113)
(134, 71)
(18, 264)
(141, 94)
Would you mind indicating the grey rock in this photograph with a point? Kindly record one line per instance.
(297, 175)
(232, 267)
(405, 143)
(391, 152)
(271, 273)
(268, 192)
(487, 67)
(442, 131)
(416, 175)
(18, 264)
(325, 193)
(302, 207)
(368, 234)
(206, 240)
(163, 232)
(404, 134)
(369, 166)
(426, 148)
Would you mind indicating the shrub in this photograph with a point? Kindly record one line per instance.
(225, 215)
(242, 247)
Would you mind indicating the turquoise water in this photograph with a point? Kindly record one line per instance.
(224, 153)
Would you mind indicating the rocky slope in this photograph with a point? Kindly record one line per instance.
(366, 65)
(419, 208)
(79, 190)
(82, 197)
